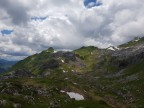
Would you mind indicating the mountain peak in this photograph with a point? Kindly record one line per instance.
(50, 49)
(136, 41)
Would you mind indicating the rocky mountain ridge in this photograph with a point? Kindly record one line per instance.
(105, 78)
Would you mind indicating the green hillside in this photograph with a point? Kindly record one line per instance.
(134, 42)
(105, 78)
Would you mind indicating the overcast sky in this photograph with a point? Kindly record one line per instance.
(30, 26)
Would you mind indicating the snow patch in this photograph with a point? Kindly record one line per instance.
(55, 51)
(75, 83)
(76, 96)
(111, 48)
(117, 48)
(136, 40)
(73, 95)
(64, 71)
(62, 60)
(126, 47)
(62, 91)
(66, 78)
(72, 70)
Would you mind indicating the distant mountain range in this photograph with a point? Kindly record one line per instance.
(5, 65)
(88, 77)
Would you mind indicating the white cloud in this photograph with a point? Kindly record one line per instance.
(69, 24)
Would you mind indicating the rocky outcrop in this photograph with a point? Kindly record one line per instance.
(70, 56)
(21, 73)
(127, 56)
(51, 64)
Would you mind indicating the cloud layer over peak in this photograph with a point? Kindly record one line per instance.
(67, 24)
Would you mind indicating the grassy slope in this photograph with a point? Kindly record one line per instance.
(56, 80)
(101, 84)
(89, 55)
(132, 43)
(53, 84)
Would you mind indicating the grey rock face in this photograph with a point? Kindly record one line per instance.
(3, 102)
(17, 105)
(21, 73)
(51, 64)
(126, 57)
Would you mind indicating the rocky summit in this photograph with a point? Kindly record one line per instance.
(88, 77)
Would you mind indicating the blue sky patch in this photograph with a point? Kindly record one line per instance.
(91, 3)
(38, 18)
(6, 32)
